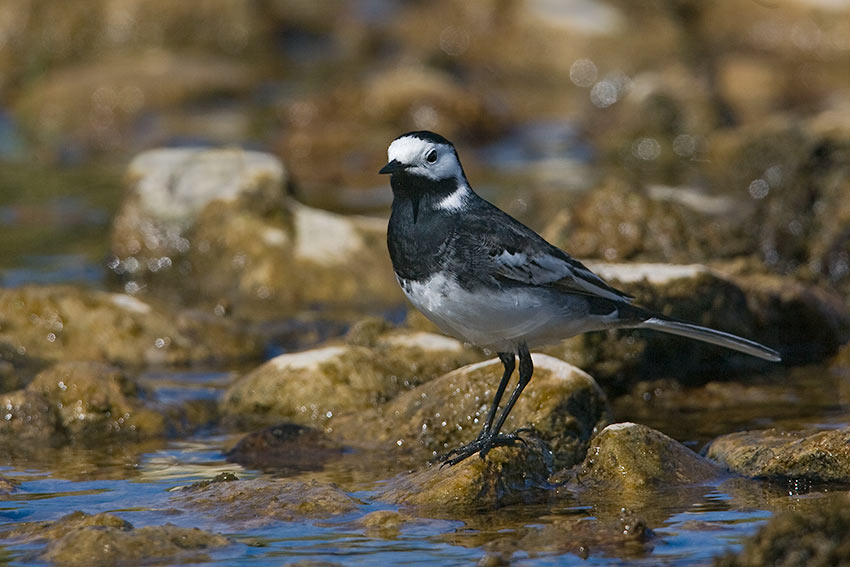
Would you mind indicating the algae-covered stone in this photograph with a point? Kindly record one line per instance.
(774, 454)
(261, 501)
(633, 460)
(817, 537)
(83, 402)
(216, 227)
(311, 387)
(562, 404)
(618, 222)
(51, 323)
(506, 476)
(105, 539)
(53, 530)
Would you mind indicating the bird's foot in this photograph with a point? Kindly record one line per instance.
(482, 446)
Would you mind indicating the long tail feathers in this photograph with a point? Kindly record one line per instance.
(712, 336)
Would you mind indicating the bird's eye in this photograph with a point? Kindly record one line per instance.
(432, 156)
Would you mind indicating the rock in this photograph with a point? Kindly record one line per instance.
(795, 538)
(354, 121)
(104, 539)
(312, 386)
(633, 460)
(98, 106)
(786, 455)
(79, 402)
(562, 404)
(805, 323)
(259, 501)
(794, 174)
(285, 447)
(506, 476)
(619, 222)
(384, 524)
(51, 323)
(215, 227)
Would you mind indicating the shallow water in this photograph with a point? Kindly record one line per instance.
(690, 527)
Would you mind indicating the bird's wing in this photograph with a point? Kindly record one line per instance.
(517, 253)
(546, 269)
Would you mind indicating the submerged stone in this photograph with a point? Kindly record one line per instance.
(562, 405)
(257, 502)
(313, 386)
(786, 455)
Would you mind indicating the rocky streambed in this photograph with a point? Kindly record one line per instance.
(199, 413)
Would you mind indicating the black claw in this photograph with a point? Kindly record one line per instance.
(482, 446)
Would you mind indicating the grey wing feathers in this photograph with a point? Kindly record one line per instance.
(540, 263)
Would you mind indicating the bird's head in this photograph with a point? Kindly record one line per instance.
(426, 155)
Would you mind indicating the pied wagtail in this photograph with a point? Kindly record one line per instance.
(483, 277)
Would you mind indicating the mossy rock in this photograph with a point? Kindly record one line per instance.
(57, 323)
(786, 455)
(563, 406)
(311, 387)
(80, 402)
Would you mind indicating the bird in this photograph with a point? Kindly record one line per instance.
(487, 279)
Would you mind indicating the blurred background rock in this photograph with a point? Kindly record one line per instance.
(669, 131)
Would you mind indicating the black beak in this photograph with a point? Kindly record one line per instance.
(392, 167)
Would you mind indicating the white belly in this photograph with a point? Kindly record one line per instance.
(501, 319)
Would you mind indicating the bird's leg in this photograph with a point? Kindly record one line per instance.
(509, 362)
(526, 369)
(490, 436)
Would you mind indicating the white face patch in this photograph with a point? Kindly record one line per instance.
(413, 152)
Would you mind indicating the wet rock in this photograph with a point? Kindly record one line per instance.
(562, 404)
(285, 447)
(104, 539)
(409, 95)
(805, 323)
(82, 402)
(506, 476)
(215, 227)
(786, 455)
(634, 460)
(259, 501)
(50, 323)
(355, 121)
(621, 222)
(794, 174)
(795, 538)
(704, 412)
(311, 387)
(98, 107)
